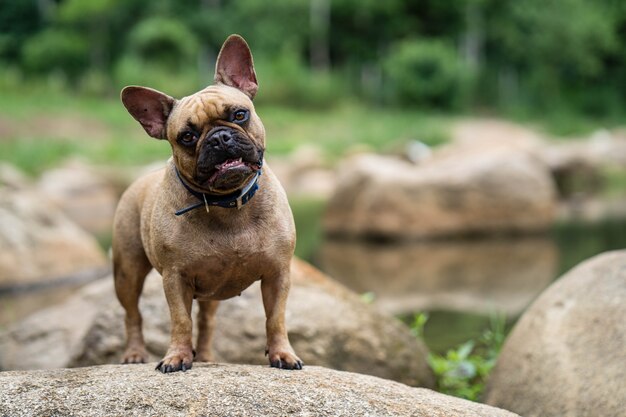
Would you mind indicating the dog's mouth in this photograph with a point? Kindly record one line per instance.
(232, 174)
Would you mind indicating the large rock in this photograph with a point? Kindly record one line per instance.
(221, 390)
(567, 354)
(37, 241)
(304, 173)
(83, 195)
(328, 325)
(461, 190)
(479, 276)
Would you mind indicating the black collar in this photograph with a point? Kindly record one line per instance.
(236, 199)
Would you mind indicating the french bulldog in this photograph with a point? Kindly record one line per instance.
(212, 222)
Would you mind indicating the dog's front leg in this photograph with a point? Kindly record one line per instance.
(279, 350)
(179, 297)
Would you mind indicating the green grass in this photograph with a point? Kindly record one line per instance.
(351, 126)
(563, 122)
(104, 132)
(101, 130)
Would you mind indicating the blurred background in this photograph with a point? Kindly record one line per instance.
(447, 160)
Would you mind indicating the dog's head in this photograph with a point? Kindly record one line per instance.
(216, 136)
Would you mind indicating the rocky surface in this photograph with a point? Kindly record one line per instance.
(222, 390)
(328, 325)
(461, 190)
(84, 196)
(566, 356)
(37, 241)
(477, 276)
(304, 173)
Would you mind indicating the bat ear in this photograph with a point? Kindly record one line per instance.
(235, 66)
(149, 107)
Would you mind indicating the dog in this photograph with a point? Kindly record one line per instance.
(212, 222)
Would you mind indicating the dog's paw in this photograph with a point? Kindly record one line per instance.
(179, 360)
(135, 355)
(284, 359)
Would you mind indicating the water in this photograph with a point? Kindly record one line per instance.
(461, 284)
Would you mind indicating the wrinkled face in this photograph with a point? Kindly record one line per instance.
(217, 138)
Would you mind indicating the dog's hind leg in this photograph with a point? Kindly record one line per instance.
(130, 267)
(206, 325)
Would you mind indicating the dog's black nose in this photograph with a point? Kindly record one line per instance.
(222, 138)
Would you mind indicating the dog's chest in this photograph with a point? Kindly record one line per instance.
(226, 272)
(221, 265)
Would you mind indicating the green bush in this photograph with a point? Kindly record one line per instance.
(427, 74)
(286, 80)
(165, 41)
(162, 53)
(55, 50)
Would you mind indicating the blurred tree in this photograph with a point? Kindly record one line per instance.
(428, 74)
(93, 18)
(163, 41)
(20, 19)
(549, 45)
(54, 50)
(529, 52)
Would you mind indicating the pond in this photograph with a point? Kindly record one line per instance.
(461, 284)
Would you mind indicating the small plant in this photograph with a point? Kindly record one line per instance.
(419, 321)
(463, 371)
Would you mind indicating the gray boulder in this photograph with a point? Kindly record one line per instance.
(37, 241)
(328, 325)
(461, 190)
(221, 390)
(82, 194)
(567, 354)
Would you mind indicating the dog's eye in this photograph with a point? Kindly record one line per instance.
(240, 116)
(188, 138)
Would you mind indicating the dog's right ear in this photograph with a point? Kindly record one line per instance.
(235, 66)
(150, 108)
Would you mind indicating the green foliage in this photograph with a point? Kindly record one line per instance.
(556, 36)
(19, 19)
(427, 74)
(417, 326)
(307, 214)
(56, 50)
(132, 70)
(546, 58)
(528, 53)
(165, 41)
(463, 371)
(286, 79)
(79, 11)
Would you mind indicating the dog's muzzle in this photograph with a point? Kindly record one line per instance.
(227, 159)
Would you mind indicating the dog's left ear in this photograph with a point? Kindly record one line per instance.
(235, 67)
(149, 107)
